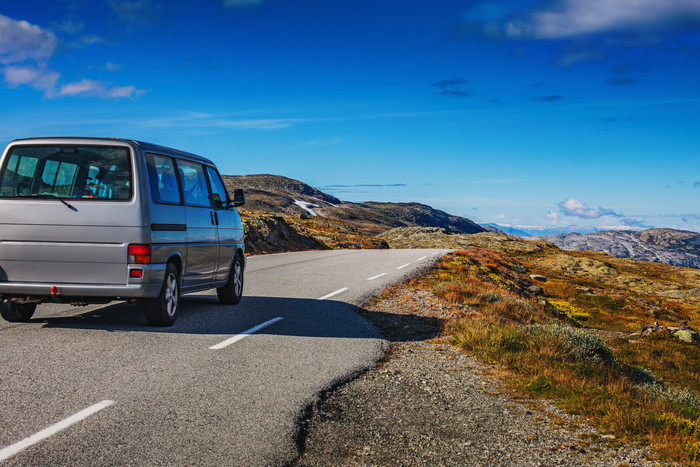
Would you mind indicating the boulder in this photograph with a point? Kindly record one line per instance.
(537, 277)
(682, 332)
(687, 335)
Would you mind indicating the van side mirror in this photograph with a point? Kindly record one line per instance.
(238, 197)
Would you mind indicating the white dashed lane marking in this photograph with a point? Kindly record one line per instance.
(376, 277)
(244, 334)
(10, 451)
(333, 294)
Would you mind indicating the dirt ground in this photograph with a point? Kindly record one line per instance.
(427, 403)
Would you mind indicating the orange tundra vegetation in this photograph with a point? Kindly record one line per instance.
(572, 337)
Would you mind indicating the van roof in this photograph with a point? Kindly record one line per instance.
(93, 140)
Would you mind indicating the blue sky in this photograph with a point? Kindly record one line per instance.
(523, 113)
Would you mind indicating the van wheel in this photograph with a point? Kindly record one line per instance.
(17, 312)
(232, 291)
(162, 310)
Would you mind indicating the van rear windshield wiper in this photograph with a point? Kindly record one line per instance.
(48, 196)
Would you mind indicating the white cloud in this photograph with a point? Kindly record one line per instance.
(575, 208)
(580, 17)
(24, 50)
(90, 88)
(211, 121)
(552, 215)
(240, 3)
(21, 41)
(38, 78)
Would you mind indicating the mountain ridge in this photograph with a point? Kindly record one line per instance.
(287, 214)
(669, 246)
(277, 194)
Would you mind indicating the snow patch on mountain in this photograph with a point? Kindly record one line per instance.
(308, 207)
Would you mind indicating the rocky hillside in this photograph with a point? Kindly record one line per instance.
(374, 218)
(274, 194)
(272, 234)
(674, 247)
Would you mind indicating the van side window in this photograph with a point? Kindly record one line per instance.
(194, 185)
(161, 171)
(219, 193)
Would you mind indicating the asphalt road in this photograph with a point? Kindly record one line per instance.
(224, 386)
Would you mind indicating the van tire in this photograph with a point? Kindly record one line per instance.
(17, 312)
(232, 292)
(162, 310)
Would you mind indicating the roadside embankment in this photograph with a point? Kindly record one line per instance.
(427, 403)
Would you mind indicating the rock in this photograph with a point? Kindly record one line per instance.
(682, 332)
(537, 290)
(687, 335)
(537, 277)
(269, 233)
(585, 290)
(650, 329)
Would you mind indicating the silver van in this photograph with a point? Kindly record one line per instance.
(91, 220)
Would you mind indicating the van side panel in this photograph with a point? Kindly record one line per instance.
(202, 248)
(168, 230)
(230, 240)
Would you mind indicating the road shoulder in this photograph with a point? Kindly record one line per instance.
(427, 403)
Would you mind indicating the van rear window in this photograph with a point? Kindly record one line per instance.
(84, 172)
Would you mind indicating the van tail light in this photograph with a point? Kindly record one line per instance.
(139, 254)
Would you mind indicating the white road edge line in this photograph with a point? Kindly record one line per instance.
(421, 258)
(244, 334)
(333, 294)
(404, 266)
(376, 277)
(10, 451)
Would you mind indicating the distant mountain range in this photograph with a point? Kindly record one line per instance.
(674, 247)
(534, 231)
(282, 195)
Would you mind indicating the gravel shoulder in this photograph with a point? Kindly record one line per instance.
(427, 403)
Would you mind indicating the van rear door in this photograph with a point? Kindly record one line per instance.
(69, 212)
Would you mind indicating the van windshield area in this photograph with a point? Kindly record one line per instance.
(75, 172)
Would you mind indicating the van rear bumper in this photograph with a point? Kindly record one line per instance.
(147, 287)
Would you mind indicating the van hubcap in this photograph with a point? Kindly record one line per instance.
(171, 295)
(237, 282)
